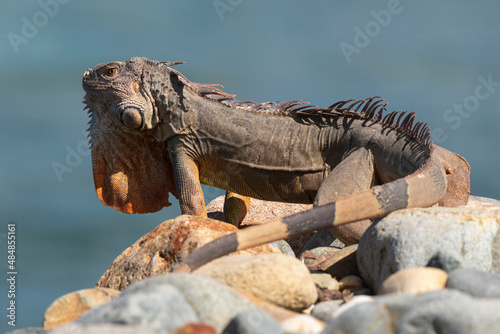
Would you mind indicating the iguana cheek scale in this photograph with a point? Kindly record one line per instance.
(153, 131)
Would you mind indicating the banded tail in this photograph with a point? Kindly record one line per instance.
(423, 188)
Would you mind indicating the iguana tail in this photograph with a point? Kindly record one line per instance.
(423, 188)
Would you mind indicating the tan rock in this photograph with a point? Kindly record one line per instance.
(69, 307)
(277, 278)
(303, 323)
(277, 312)
(414, 281)
(352, 283)
(325, 281)
(171, 241)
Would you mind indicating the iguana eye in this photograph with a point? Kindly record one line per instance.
(111, 71)
(132, 118)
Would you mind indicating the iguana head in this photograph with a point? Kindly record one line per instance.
(132, 171)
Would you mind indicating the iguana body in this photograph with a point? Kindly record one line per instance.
(153, 132)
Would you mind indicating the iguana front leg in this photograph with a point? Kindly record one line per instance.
(354, 174)
(187, 181)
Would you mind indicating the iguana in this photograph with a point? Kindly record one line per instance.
(152, 131)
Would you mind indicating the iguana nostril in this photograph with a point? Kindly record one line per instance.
(86, 74)
(132, 118)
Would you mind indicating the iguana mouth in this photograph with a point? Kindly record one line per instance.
(94, 85)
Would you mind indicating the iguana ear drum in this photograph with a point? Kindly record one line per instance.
(130, 177)
(132, 118)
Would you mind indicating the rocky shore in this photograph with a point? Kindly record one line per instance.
(433, 270)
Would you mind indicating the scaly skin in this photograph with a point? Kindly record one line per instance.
(153, 132)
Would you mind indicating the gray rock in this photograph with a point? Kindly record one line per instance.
(445, 260)
(324, 310)
(283, 246)
(337, 262)
(28, 330)
(103, 329)
(162, 308)
(253, 322)
(411, 238)
(475, 282)
(322, 238)
(444, 311)
(214, 303)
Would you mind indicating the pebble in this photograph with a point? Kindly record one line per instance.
(303, 324)
(352, 283)
(277, 278)
(325, 281)
(414, 281)
(324, 310)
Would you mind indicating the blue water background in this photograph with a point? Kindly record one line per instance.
(427, 57)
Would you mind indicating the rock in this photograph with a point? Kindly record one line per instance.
(102, 329)
(352, 283)
(303, 324)
(412, 237)
(414, 281)
(195, 329)
(253, 322)
(277, 312)
(475, 283)
(443, 311)
(154, 253)
(325, 281)
(362, 292)
(263, 211)
(477, 201)
(277, 278)
(283, 246)
(448, 261)
(322, 238)
(29, 330)
(162, 308)
(324, 310)
(214, 303)
(67, 308)
(337, 262)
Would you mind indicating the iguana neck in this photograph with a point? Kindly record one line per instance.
(172, 102)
